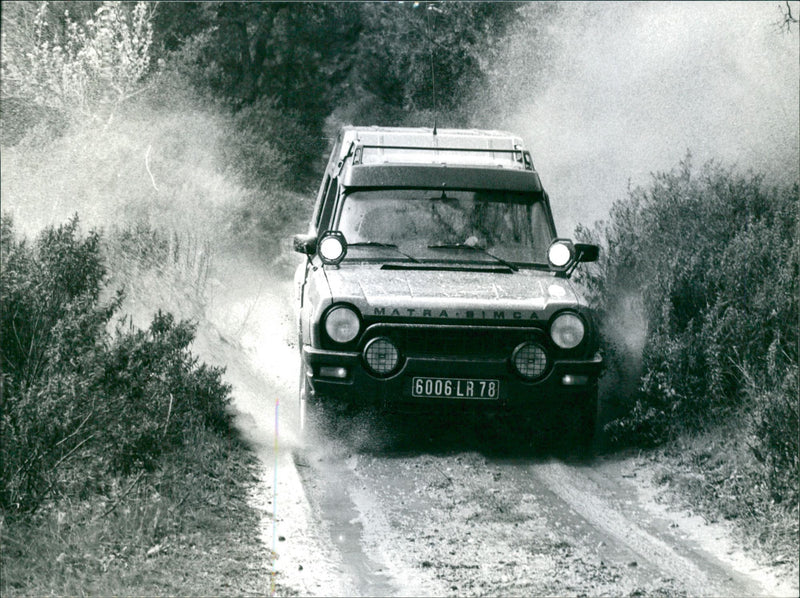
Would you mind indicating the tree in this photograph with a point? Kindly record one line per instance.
(296, 54)
(428, 56)
(82, 69)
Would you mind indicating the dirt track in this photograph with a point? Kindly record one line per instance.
(393, 506)
(422, 514)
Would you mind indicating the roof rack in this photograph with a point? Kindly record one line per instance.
(522, 156)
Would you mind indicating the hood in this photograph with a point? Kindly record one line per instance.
(527, 294)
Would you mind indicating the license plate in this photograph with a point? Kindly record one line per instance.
(455, 388)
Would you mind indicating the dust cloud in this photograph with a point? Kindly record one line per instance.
(163, 171)
(634, 86)
(629, 88)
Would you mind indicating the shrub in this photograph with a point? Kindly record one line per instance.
(273, 147)
(78, 402)
(154, 391)
(712, 259)
(50, 301)
(774, 419)
(82, 70)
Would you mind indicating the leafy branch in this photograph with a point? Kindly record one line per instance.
(89, 70)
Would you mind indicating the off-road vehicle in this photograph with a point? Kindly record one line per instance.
(435, 278)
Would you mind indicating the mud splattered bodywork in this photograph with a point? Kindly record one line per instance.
(435, 277)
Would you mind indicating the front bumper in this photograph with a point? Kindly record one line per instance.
(565, 379)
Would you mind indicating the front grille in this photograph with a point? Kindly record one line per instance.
(454, 341)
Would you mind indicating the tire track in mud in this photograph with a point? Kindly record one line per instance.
(619, 519)
(472, 527)
(622, 527)
(347, 511)
(339, 518)
(456, 522)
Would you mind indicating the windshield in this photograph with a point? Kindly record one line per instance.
(432, 224)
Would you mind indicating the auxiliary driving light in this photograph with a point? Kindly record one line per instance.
(561, 253)
(381, 355)
(332, 247)
(530, 360)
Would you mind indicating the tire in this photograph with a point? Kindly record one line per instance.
(316, 414)
(305, 394)
(584, 424)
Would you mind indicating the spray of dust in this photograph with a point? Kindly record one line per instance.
(622, 90)
(606, 93)
(164, 168)
(627, 88)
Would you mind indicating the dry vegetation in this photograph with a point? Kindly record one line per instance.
(710, 257)
(118, 456)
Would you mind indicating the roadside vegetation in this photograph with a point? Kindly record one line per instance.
(698, 286)
(117, 445)
(143, 140)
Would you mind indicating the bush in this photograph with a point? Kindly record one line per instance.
(81, 70)
(273, 147)
(155, 392)
(711, 257)
(77, 402)
(50, 308)
(774, 419)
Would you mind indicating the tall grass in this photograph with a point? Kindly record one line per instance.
(152, 533)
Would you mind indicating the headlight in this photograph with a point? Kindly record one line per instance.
(342, 324)
(381, 355)
(530, 360)
(567, 330)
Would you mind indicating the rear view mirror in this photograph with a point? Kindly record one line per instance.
(306, 244)
(586, 252)
(564, 255)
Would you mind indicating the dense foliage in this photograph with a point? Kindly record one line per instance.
(281, 68)
(79, 402)
(710, 258)
(204, 124)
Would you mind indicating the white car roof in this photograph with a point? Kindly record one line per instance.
(398, 145)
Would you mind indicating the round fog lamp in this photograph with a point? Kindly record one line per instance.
(342, 324)
(530, 360)
(567, 330)
(381, 355)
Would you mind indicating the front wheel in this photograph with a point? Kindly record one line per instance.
(584, 421)
(304, 395)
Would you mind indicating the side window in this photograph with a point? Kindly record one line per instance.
(542, 231)
(328, 202)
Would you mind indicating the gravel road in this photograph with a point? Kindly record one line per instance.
(435, 509)
(382, 506)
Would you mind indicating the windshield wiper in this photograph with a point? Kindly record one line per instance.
(385, 246)
(499, 260)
